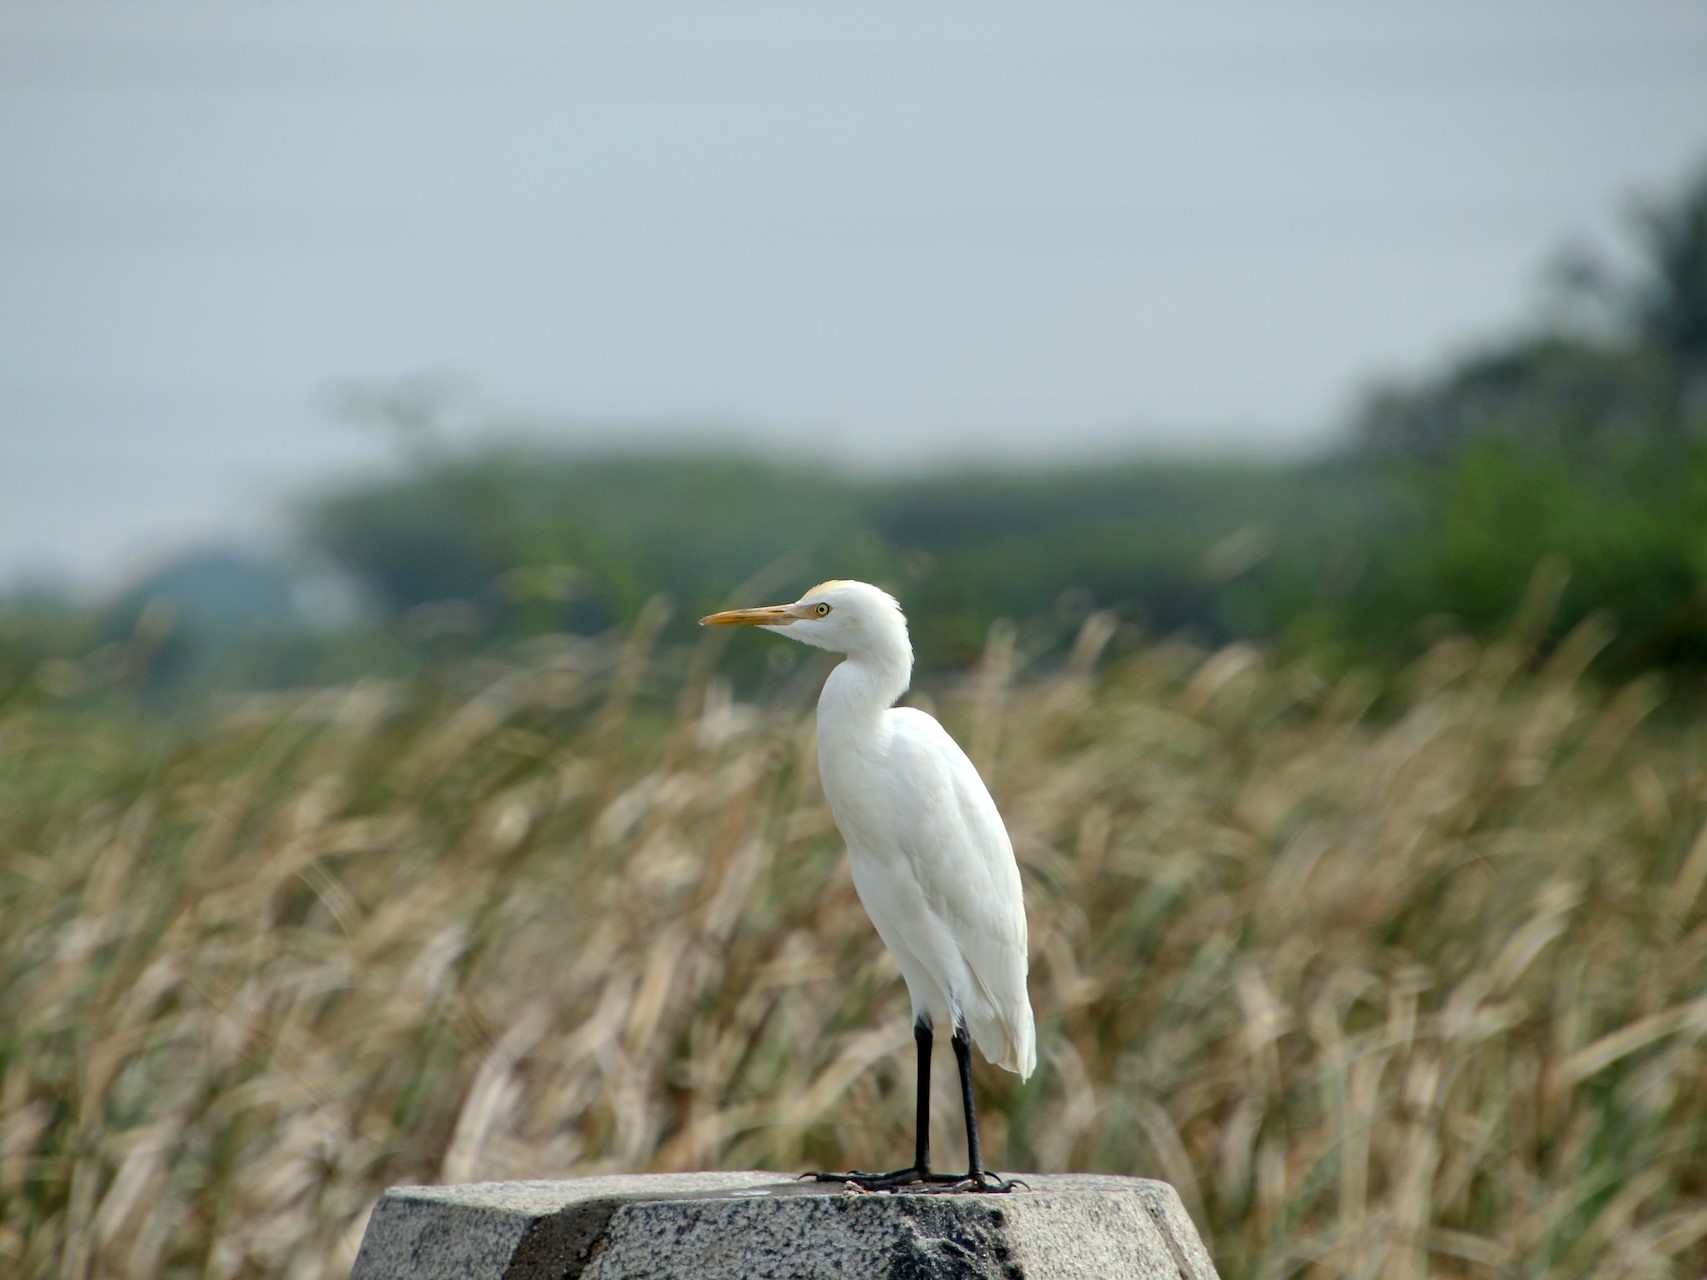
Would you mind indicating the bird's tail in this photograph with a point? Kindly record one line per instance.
(1010, 1043)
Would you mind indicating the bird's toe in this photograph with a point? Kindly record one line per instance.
(967, 1184)
(874, 1181)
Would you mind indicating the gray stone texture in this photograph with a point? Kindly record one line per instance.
(768, 1226)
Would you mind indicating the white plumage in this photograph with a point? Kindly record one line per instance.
(931, 859)
(937, 878)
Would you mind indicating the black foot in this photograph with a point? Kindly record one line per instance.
(964, 1183)
(910, 1176)
(923, 1182)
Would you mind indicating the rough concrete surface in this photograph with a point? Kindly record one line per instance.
(768, 1226)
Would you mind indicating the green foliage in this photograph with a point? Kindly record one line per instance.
(1578, 448)
(1544, 391)
(1671, 302)
(1574, 458)
(1615, 533)
(1373, 558)
(538, 541)
(1634, 369)
(1166, 547)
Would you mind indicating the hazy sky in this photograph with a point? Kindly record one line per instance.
(894, 231)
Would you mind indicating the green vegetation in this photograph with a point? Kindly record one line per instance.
(582, 543)
(1579, 450)
(1617, 532)
(1582, 447)
(1369, 560)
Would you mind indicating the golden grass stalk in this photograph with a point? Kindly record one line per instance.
(1412, 993)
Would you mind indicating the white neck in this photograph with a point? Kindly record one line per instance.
(853, 734)
(865, 685)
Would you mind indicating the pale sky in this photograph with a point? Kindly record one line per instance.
(896, 233)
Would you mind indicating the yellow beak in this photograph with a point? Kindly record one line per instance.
(771, 615)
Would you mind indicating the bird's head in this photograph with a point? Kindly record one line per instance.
(854, 618)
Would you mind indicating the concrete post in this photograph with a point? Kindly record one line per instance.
(760, 1226)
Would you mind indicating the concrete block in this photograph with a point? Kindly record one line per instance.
(768, 1226)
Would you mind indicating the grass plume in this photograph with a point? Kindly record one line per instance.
(1392, 977)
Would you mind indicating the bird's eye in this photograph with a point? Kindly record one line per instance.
(822, 609)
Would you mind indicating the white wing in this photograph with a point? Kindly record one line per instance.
(951, 834)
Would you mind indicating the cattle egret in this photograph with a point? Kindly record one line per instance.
(931, 859)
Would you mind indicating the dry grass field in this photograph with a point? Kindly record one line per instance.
(1391, 976)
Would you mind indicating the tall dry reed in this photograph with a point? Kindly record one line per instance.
(1391, 978)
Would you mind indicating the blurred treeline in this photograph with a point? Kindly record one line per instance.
(1559, 471)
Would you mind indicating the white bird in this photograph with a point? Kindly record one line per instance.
(931, 859)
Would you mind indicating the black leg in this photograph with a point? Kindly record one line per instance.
(963, 1060)
(922, 1113)
(920, 1169)
(976, 1178)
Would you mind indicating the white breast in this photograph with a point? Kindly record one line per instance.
(934, 869)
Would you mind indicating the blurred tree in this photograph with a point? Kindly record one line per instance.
(534, 539)
(1546, 389)
(1671, 301)
(531, 539)
(1620, 524)
(1628, 360)
(1582, 441)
